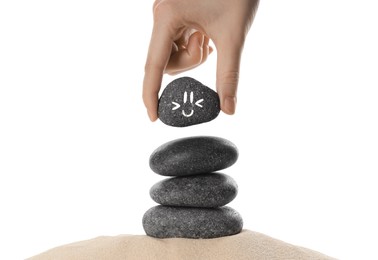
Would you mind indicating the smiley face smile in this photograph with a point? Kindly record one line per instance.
(190, 114)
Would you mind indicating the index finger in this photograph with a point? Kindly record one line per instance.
(157, 59)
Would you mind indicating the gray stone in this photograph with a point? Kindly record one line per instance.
(184, 222)
(204, 190)
(193, 155)
(186, 101)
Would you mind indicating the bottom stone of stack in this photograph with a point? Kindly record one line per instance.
(187, 222)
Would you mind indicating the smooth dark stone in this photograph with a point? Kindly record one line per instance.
(186, 101)
(204, 190)
(193, 155)
(182, 222)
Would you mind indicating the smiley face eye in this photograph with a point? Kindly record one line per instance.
(198, 102)
(177, 105)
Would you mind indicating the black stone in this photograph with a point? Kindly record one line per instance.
(205, 190)
(182, 222)
(186, 101)
(193, 155)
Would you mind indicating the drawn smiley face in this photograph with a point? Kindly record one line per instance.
(186, 101)
(190, 105)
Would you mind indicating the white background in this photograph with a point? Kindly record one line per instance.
(75, 138)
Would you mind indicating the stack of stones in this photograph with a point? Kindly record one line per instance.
(192, 200)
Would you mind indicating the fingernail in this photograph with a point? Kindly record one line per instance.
(201, 39)
(229, 105)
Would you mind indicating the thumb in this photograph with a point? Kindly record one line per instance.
(228, 63)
